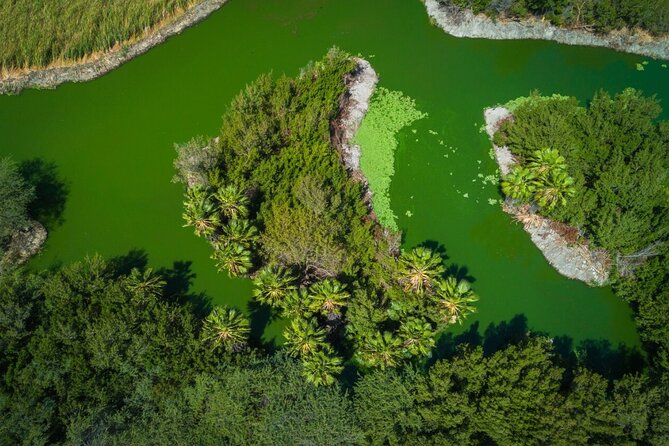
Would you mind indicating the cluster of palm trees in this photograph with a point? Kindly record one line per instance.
(425, 305)
(219, 212)
(420, 302)
(543, 179)
(304, 306)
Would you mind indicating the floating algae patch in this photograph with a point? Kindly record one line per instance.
(389, 112)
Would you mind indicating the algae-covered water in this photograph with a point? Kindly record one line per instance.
(112, 143)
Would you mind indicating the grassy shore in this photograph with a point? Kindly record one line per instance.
(41, 33)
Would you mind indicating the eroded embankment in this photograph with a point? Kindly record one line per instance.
(573, 260)
(81, 72)
(461, 22)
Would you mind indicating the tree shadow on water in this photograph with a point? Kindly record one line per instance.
(435, 247)
(135, 259)
(178, 279)
(260, 316)
(50, 191)
(599, 356)
(178, 282)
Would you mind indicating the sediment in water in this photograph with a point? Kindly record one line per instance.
(461, 22)
(571, 259)
(82, 72)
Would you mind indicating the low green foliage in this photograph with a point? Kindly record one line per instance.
(35, 33)
(389, 112)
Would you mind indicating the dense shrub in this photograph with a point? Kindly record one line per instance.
(616, 153)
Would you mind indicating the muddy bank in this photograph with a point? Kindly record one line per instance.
(554, 240)
(463, 23)
(81, 72)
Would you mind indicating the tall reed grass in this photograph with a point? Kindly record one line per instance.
(38, 33)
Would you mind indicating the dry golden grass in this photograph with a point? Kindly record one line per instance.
(36, 34)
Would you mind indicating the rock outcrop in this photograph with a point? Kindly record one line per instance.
(24, 244)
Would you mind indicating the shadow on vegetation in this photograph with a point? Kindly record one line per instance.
(50, 191)
(597, 355)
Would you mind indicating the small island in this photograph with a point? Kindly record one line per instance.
(282, 199)
(588, 184)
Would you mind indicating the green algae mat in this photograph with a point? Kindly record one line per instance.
(111, 141)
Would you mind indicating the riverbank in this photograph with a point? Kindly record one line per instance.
(82, 72)
(461, 22)
(555, 240)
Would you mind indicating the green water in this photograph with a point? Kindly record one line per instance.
(112, 140)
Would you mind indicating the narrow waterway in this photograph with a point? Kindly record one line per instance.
(112, 142)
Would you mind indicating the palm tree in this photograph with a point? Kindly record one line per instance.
(381, 350)
(234, 258)
(320, 368)
(454, 300)
(419, 269)
(145, 282)
(226, 327)
(273, 286)
(232, 202)
(543, 161)
(303, 337)
(417, 337)
(327, 298)
(239, 231)
(554, 189)
(518, 184)
(294, 305)
(200, 212)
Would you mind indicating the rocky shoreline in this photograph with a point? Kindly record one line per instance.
(461, 22)
(353, 108)
(573, 260)
(81, 72)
